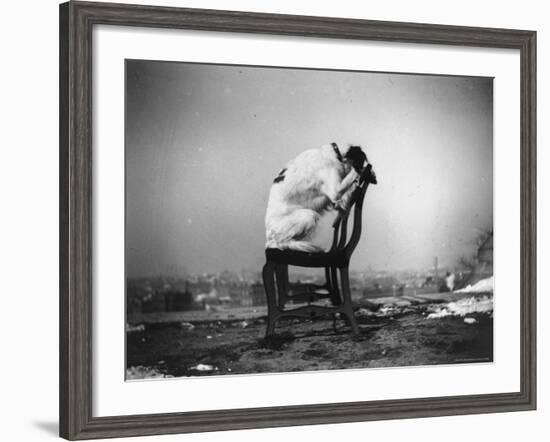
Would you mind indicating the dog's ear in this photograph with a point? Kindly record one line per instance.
(357, 157)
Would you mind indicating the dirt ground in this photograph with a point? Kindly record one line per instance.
(401, 338)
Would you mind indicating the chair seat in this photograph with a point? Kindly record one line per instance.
(335, 258)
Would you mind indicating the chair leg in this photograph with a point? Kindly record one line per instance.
(328, 280)
(348, 307)
(281, 271)
(268, 274)
(329, 285)
(335, 297)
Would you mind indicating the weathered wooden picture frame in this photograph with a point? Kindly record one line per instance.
(77, 20)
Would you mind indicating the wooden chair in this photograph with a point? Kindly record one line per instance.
(336, 260)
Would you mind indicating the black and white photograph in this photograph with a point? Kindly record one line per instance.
(283, 220)
(254, 220)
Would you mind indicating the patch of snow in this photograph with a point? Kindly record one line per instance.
(387, 311)
(464, 307)
(441, 313)
(470, 320)
(483, 286)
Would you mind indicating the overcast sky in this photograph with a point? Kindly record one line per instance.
(203, 143)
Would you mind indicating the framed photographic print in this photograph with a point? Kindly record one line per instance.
(271, 220)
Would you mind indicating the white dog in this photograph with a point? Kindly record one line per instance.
(315, 181)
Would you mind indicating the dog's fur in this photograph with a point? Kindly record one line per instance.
(315, 181)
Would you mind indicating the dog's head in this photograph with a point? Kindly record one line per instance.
(356, 158)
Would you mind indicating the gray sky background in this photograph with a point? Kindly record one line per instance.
(203, 143)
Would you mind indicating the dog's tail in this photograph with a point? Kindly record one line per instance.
(303, 246)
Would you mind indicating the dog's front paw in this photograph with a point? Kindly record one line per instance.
(341, 206)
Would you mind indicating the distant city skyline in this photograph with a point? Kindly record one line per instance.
(173, 273)
(203, 143)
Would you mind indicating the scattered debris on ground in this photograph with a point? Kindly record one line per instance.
(400, 337)
(394, 332)
(141, 372)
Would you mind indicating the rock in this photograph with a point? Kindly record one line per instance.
(203, 367)
(363, 312)
(187, 326)
(135, 328)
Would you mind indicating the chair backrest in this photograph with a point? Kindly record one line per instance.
(340, 224)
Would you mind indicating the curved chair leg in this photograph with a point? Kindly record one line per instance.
(332, 286)
(281, 271)
(268, 274)
(328, 282)
(348, 307)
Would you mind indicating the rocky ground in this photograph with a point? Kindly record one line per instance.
(394, 332)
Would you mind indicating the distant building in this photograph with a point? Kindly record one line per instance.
(144, 296)
(257, 294)
(210, 298)
(154, 303)
(239, 296)
(177, 301)
(200, 286)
